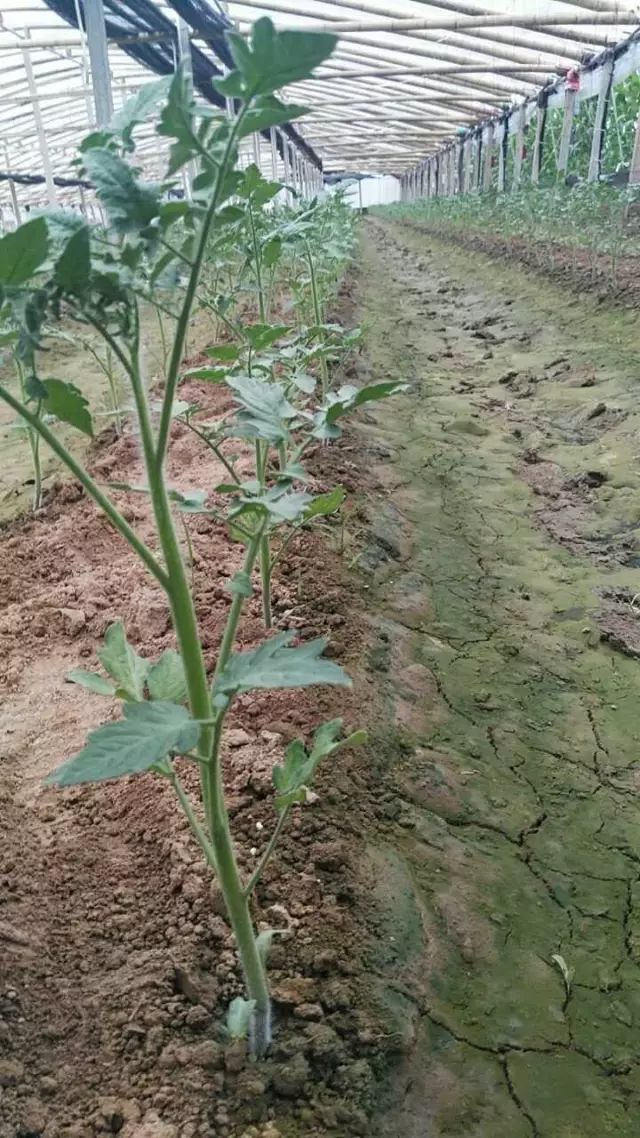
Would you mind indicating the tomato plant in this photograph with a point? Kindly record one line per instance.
(168, 253)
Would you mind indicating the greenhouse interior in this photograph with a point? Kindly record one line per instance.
(320, 569)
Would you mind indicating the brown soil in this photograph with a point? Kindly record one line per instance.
(118, 964)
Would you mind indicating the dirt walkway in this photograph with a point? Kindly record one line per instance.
(504, 577)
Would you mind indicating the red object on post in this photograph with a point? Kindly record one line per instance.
(573, 79)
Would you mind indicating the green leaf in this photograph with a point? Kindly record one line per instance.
(268, 111)
(275, 59)
(239, 1017)
(166, 678)
(177, 119)
(304, 382)
(92, 681)
(240, 585)
(271, 252)
(226, 352)
(122, 662)
(261, 336)
(210, 374)
(293, 779)
(264, 940)
(67, 404)
(190, 501)
(149, 733)
(276, 665)
(266, 412)
(348, 398)
(23, 251)
(131, 205)
(280, 503)
(73, 269)
(139, 107)
(35, 388)
(325, 504)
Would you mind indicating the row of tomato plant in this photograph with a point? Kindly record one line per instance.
(591, 220)
(230, 249)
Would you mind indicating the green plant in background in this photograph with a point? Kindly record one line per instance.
(53, 267)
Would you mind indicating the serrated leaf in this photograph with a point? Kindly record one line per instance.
(131, 205)
(325, 504)
(274, 59)
(23, 251)
(149, 733)
(293, 778)
(346, 399)
(67, 404)
(265, 412)
(166, 678)
(262, 336)
(92, 681)
(281, 504)
(139, 107)
(265, 112)
(122, 662)
(275, 664)
(73, 268)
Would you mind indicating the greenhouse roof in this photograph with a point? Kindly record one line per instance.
(406, 77)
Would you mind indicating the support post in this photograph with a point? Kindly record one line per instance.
(287, 168)
(567, 125)
(41, 134)
(634, 169)
(604, 92)
(488, 158)
(99, 56)
(184, 57)
(517, 161)
(541, 119)
(502, 155)
(273, 138)
(12, 189)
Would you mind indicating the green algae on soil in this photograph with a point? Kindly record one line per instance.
(516, 850)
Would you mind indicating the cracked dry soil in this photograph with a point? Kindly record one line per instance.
(515, 834)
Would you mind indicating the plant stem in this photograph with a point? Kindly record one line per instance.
(265, 551)
(265, 573)
(190, 814)
(78, 471)
(266, 857)
(318, 317)
(187, 304)
(115, 395)
(34, 443)
(186, 629)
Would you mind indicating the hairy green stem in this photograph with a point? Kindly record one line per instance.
(266, 857)
(78, 471)
(318, 316)
(187, 304)
(186, 629)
